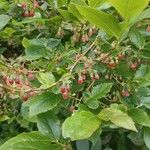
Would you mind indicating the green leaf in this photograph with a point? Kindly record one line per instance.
(67, 15)
(142, 76)
(95, 137)
(49, 125)
(61, 3)
(38, 48)
(117, 117)
(97, 145)
(106, 114)
(4, 19)
(96, 3)
(30, 141)
(26, 42)
(142, 71)
(145, 53)
(79, 2)
(42, 103)
(83, 144)
(52, 43)
(72, 8)
(145, 101)
(56, 4)
(3, 65)
(34, 49)
(144, 91)
(136, 138)
(136, 38)
(24, 111)
(123, 120)
(4, 5)
(4, 118)
(102, 20)
(142, 16)
(93, 104)
(80, 125)
(7, 32)
(46, 79)
(98, 92)
(140, 117)
(35, 52)
(147, 137)
(129, 9)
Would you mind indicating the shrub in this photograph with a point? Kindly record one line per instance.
(75, 74)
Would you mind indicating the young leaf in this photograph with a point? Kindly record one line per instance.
(49, 125)
(117, 117)
(100, 19)
(42, 103)
(147, 137)
(129, 9)
(30, 141)
(140, 117)
(4, 19)
(80, 125)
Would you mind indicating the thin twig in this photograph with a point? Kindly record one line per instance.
(118, 81)
(139, 106)
(32, 1)
(101, 103)
(91, 46)
(52, 85)
(91, 85)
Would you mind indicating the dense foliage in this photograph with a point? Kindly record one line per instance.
(74, 75)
